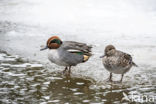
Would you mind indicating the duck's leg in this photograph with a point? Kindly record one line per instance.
(110, 78)
(64, 71)
(121, 78)
(69, 70)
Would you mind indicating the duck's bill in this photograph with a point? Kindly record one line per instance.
(44, 48)
(102, 56)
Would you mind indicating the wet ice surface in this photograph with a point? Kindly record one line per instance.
(26, 25)
(25, 82)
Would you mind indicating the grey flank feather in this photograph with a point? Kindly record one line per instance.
(67, 45)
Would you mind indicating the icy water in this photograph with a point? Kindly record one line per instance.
(31, 83)
(27, 76)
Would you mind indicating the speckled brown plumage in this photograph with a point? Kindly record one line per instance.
(116, 61)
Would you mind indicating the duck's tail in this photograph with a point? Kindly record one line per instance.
(85, 58)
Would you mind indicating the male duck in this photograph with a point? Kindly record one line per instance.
(67, 53)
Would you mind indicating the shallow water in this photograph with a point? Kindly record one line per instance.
(27, 76)
(29, 82)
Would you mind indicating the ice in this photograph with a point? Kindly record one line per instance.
(130, 25)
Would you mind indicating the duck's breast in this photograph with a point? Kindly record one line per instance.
(55, 57)
(112, 64)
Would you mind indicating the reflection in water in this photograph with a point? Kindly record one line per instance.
(24, 82)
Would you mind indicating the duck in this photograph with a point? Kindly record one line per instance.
(67, 53)
(116, 61)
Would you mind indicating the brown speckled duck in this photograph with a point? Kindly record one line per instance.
(116, 61)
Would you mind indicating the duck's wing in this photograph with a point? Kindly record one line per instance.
(78, 48)
(125, 59)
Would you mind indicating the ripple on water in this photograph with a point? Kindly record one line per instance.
(25, 82)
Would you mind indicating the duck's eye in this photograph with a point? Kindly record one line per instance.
(53, 41)
(56, 41)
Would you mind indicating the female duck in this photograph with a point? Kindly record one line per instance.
(116, 61)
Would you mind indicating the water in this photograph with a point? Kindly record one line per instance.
(27, 76)
(25, 82)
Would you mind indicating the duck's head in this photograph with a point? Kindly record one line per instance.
(53, 42)
(109, 50)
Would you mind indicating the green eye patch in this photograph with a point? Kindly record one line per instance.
(56, 41)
